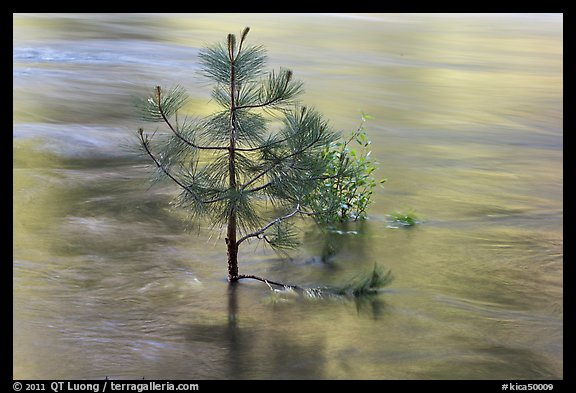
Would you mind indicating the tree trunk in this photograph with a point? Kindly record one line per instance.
(231, 231)
(232, 257)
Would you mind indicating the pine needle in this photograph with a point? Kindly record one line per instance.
(367, 284)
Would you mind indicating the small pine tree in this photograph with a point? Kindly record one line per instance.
(247, 165)
(230, 167)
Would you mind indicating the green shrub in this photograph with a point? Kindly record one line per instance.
(349, 183)
(405, 219)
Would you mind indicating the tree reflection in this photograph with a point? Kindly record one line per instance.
(347, 237)
(373, 305)
(264, 351)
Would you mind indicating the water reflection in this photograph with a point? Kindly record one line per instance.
(265, 352)
(468, 130)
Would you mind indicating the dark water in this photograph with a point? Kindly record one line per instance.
(468, 129)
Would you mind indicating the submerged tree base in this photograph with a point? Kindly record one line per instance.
(364, 285)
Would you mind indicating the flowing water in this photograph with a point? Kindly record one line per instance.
(468, 129)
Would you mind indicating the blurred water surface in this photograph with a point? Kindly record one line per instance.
(468, 128)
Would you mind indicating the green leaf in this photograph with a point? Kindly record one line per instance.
(367, 117)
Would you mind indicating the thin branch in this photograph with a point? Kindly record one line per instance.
(271, 223)
(272, 101)
(271, 182)
(263, 186)
(260, 147)
(243, 36)
(145, 144)
(268, 282)
(186, 141)
(189, 143)
(263, 104)
(279, 161)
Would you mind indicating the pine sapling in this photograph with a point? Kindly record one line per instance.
(231, 168)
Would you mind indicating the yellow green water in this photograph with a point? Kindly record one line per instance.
(468, 129)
